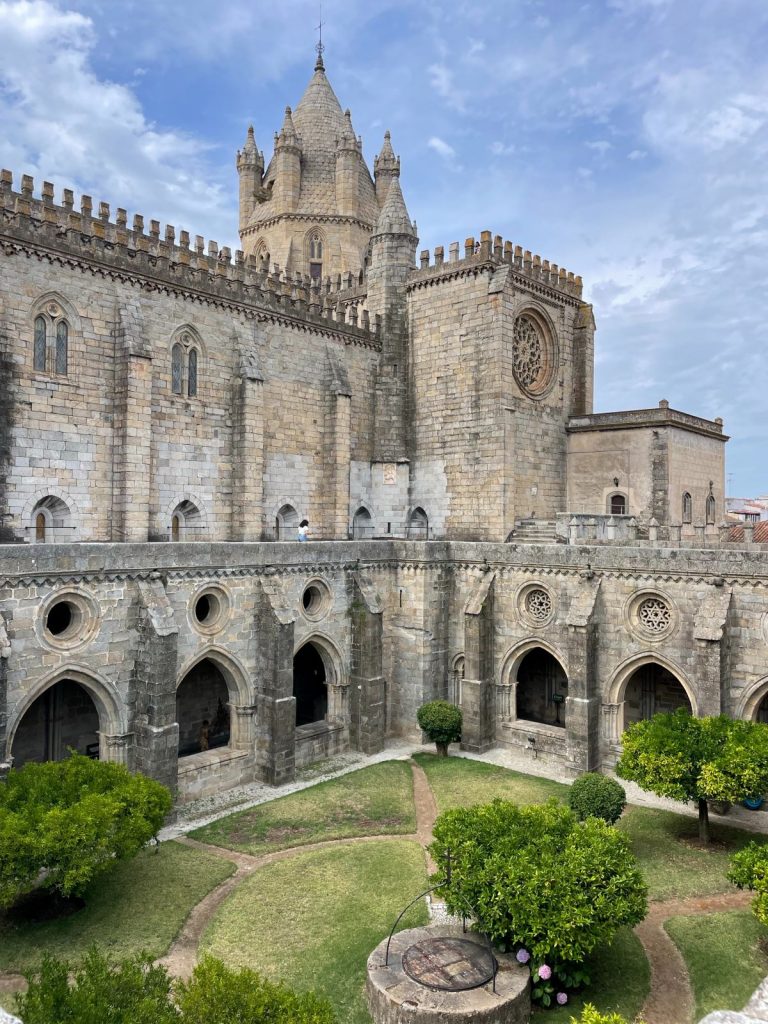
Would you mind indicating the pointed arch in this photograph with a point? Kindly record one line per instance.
(749, 704)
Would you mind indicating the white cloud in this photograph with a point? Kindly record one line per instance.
(637, 154)
(61, 122)
(442, 148)
(601, 146)
(442, 81)
(500, 149)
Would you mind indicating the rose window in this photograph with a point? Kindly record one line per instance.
(654, 615)
(527, 351)
(538, 604)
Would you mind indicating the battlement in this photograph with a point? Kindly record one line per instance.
(184, 263)
(494, 250)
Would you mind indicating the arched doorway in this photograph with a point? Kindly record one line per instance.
(286, 523)
(202, 709)
(309, 686)
(542, 687)
(418, 525)
(63, 717)
(651, 689)
(761, 715)
(362, 524)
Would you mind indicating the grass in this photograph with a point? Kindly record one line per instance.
(313, 920)
(673, 866)
(460, 782)
(620, 981)
(725, 957)
(141, 905)
(371, 801)
(663, 842)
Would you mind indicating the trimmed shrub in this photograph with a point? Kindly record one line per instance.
(100, 991)
(441, 722)
(540, 882)
(66, 822)
(749, 870)
(217, 995)
(597, 796)
(591, 1015)
(136, 991)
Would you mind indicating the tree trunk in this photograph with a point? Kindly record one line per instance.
(442, 749)
(703, 821)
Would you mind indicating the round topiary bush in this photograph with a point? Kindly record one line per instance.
(597, 796)
(441, 722)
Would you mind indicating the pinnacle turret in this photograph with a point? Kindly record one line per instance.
(249, 155)
(394, 219)
(386, 167)
(288, 135)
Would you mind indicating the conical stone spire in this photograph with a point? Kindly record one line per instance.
(288, 134)
(394, 219)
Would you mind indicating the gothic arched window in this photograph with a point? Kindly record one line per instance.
(185, 365)
(687, 508)
(315, 257)
(62, 343)
(40, 343)
(711, 510)
(51, 340)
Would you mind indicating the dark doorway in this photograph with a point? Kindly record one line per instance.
(762, 711)
(62, 717)
(542, 687)
(309, 687)
(202, 709)
(650, 690)
(618, 505)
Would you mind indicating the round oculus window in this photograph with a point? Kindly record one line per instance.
(533, 355)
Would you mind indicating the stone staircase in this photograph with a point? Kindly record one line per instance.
(535, 531)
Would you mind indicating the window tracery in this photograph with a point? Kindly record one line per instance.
(185, 364)
(534, 354)
(51, 341)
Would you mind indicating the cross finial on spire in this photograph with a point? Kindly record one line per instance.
(319, 66)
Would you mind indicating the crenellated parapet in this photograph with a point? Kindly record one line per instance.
(494, 251)
(90, 234)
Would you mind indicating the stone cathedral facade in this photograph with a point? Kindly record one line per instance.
(172, 411)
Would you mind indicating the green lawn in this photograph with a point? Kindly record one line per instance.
(671, 866)
(459, 782)
(620, 980)
(142, 904)
(372, 801)
(313, 920)
(725, 957)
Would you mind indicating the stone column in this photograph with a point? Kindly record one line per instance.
(506, 702)
(611, 714)
(338, 450)
(154, 684)
(132, 428)
(582, 706)
(241, 719)
(368, 688)
(709, 653)
(478, 732)
(116, 747)
(275, 703)
(248, 450)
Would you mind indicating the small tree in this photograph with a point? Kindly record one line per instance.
(597, 796)
(537, 878)
(591, 1015)
(686, 758)
(749, 870)
(63, 823)
(441, 722)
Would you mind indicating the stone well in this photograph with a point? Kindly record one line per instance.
(394, 997)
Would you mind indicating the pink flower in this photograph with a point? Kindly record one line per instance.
(561, 998)
(523, 956)
(545, 972)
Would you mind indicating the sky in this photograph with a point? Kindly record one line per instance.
(626, 140)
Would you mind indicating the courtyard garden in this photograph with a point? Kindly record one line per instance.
(302, 888)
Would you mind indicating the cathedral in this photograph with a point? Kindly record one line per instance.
(174, 414)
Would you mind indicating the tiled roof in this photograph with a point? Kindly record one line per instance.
(759, 535)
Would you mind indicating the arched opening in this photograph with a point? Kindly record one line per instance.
(286, 523)
(51, 521)
(186, 522)
(651, 689)
(362, 524)
(315, 256)
(63, 717)
(711, 510)
(687, 510)
(761, 714)
(542, 687)
(617, 505)
(202, 709)
(309, 686)
(457, 678)
(418, 525)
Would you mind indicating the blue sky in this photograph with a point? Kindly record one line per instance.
(624, 139)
